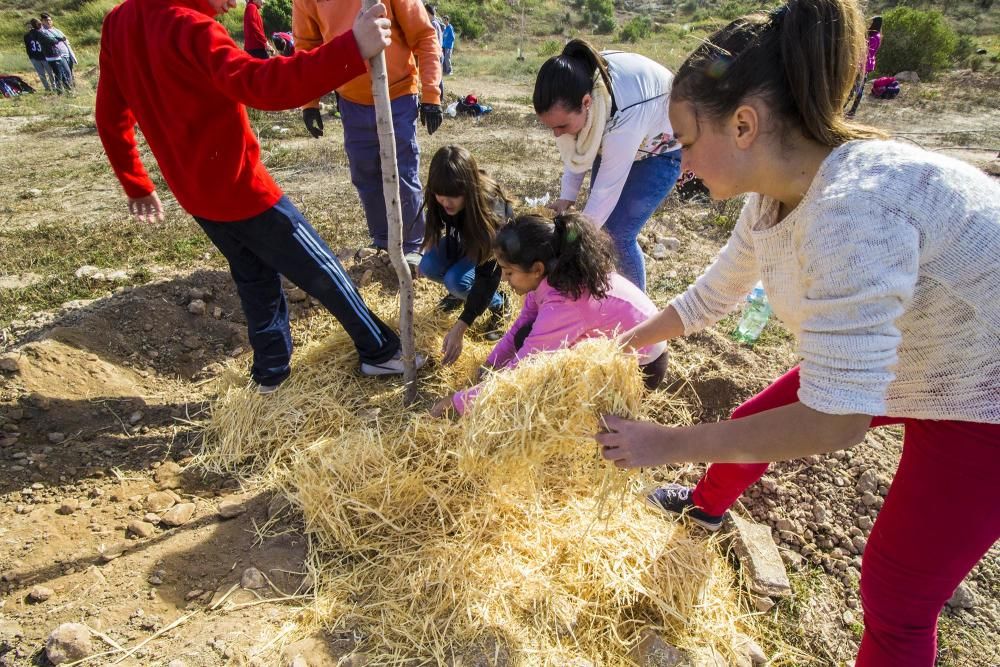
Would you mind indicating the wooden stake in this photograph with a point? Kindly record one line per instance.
(394, 214)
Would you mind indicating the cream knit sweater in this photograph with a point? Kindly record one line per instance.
(888, 274)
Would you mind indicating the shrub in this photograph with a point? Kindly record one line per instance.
(606, 25)
(549, 47)
(466, 21)
(639, 27)
(964, 48)
(915, 40)
(689, 6)
(277, 16)
(601, 14)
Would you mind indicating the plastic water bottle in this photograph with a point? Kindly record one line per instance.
(755, 316)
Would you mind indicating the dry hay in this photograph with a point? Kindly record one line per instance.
(501, 538)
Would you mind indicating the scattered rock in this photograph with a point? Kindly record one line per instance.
(311, 652)
(963, 597)
(672, 243)
(117, 276)
(178, 515)
(908, 77)
(168, 476)
(68, 506)
(151, 517)
(366, 278)
(40, 594)
(762, 603)
(193, 593)
(176, 663)
(197, 307)
(68, 642)
(230, 508)
(296, 295)
(141, 529)
(759, 557)
(652, 651)
(197, 294)
(20, 281)
(135, 417)
(160, 501)
(217, 312)
(868, 482)
(750, 649)
(252, 579)
(31, 193)
(660, 252)
(55, 437)
(111, 554)
(848, 617)
(87, 271)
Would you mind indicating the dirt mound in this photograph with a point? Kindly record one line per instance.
(56, 370)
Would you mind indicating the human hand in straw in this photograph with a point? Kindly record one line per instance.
(451, 346)
(560, 206)
(146, 209)
(635, 444)
(372, 31)
(441, 407)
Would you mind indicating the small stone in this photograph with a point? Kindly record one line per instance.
(55, 437)
(69, 506)
(194, 593)
(176, 663)
(151, 517)
(865, 523)
(252, 579)
(40, 594)
(141, 529)
(660, 252)
(762, 603)
(110, 554)
(68, 642)
(168, 476)
(366, 278)
(671, 243)
(197, 294)
(230, 508)
(869, 499)
(296, 295)
(848, 617)
(9, 364)
(31, 193)
(759, 557)
(160, 501)
(652, 651)
(87, 271)
(859, 543)
(908, 77)
(819, 515)
(197, 307)
(116, 276)
(135, 417)
(867, 482)
(963, 598)
(217, 312)
(750, 649)
(178, 515)
(769, 484)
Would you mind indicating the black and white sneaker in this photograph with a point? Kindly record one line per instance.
(676, 499)
(393, 366)
(450, 304)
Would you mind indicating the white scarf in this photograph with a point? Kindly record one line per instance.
(578, 152)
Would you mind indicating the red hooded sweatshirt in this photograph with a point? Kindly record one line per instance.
(170, 67)
(253, 29)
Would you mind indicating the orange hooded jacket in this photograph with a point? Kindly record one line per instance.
(413, 40)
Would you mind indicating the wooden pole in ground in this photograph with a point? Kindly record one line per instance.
(394, 214)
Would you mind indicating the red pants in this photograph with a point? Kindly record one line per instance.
(942, 514)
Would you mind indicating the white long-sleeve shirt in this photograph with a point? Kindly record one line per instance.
(639, 129)
(888, 274)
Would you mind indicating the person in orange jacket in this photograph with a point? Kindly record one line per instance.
(414, 42)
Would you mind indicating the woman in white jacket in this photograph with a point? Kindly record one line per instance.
(608, 112)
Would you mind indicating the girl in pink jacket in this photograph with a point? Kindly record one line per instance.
(565, 270)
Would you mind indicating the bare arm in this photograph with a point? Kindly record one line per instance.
(788, 432)
(665, 325)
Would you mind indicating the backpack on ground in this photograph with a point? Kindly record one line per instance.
(885, 88)
(12, 86)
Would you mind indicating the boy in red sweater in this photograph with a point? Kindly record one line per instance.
(254, 41)
(189, 104)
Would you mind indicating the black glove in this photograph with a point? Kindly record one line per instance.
(313, 121)
(431, 117)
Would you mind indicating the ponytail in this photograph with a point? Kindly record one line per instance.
(577, 256)
(564, 79)
(802, 59)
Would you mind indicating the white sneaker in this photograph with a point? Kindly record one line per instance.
(393, 366)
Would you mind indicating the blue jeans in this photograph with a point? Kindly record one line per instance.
(457, 275)
(45, 73)
(278, 242)
(62, 78)
(648, 184)
(361, 145)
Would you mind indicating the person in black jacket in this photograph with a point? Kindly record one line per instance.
(465, 208)
(36, 43)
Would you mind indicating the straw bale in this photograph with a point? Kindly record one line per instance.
(502, 534)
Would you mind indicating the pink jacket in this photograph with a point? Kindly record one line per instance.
(874, 42)
(559, 321)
